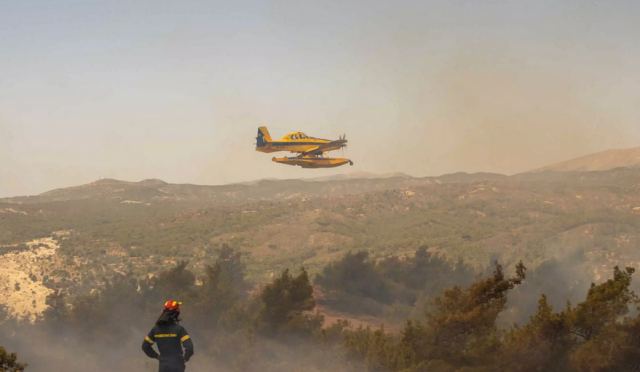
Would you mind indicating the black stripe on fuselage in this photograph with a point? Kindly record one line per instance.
(297, 143)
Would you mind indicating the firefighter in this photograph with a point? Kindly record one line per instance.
(174, 344)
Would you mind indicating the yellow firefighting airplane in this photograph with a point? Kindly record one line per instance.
(311, 150)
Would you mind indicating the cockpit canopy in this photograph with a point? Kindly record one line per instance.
(296, 136)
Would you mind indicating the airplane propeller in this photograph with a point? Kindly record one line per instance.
(343, 138)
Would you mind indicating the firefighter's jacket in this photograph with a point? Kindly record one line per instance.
(170, 339)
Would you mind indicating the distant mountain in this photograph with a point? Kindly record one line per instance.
(155, 191)
(601, 161)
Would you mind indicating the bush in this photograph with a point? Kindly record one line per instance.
(9, 362)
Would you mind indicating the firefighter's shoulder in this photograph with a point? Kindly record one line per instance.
(183, 334)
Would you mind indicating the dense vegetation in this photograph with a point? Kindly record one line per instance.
(278, 224)
(459, 332)
(124, 246)
(234, 329)
(390, 286)
(9, 362)
(276, 326)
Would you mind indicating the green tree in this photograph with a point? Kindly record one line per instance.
(176, 283)
(359, 284)
(606, 337)
(542, 344)
(460, 328)
(594, 335)
(9, 362)
(376, 348)
(284, 303)
(459, 331)
(224, 289)
(604, 305)
(356, 274)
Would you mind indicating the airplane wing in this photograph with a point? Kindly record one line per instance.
(329, 146)
(313, 151)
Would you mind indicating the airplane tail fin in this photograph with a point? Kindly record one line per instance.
(263, 137)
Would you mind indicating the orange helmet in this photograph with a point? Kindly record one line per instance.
(172, 305)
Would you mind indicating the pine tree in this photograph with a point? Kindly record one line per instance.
(9, 362)
(284, 302)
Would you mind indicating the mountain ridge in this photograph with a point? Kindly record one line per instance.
(599, 161)
(351, 183)
(156, 189)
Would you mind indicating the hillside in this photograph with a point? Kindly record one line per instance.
(110, 226)
(606, 160)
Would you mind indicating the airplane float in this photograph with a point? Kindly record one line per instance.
(310, 150)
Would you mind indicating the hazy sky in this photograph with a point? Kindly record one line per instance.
(175, 90)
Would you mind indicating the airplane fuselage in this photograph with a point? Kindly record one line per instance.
(298, 146)
(310, 150)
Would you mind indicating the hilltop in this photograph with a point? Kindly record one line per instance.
(601, 161)
(154, 191)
